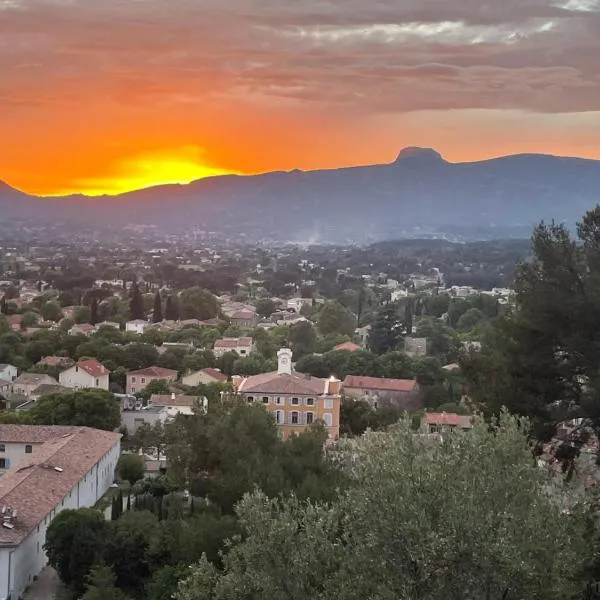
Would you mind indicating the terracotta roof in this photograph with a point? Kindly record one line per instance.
(451, 419)
(168, 400)
(34, 487)
(233, 342)
(380, 384)
(350, 346)
(154, 372)
(56, 361)
(93, 367)
(215, 374)
(32, 434)
(274, 383)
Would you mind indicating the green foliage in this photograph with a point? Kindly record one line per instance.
(131, 468)
(265, 307)
(303, 339)
(29, 319)
(171, 309)
(197, 303)
(333, 317)
(414, 523)
(157, 315)
(101, 585)
(51, 311)
(469, 320)
(164, 582)
(82, 315)
(136, 303)
(388, 329)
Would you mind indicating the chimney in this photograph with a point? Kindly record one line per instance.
(173, 396)
(284, 362)
(334, 386)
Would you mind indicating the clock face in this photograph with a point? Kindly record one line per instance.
(284, 361)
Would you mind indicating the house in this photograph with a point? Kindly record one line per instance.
(112, 324)
(138, 380)
(378, 390)
(85, 374)
(415, 346)
(73, 468)
(62, 362)
(8, 372)
(244, 318)
(47, 389)
(203, 376)
(296, 304)
(82, 329)
(363, 334)
(348, 347)
(134, 417)
(295, 400)
(25, 383)
(14, 321)
(136, 326)
(243, 346)
(5, 387)
(445, 422)
(181, 404)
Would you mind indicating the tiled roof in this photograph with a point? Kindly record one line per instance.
(34, 378)
(56, 361)
(154, 372)
(233, 342)
(32, 434)
(35, 487)
(274, 383)
(451, 419)
(168, 400)
(350, 346)
(215, 374)
(380, 384)
(45, 389)
(93, 367)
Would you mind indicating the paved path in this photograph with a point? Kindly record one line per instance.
(45, 587)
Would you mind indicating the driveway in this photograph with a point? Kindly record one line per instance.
(45, 587)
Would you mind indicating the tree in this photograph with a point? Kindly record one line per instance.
(333, 317)
(94, 319)
(82, 314)
(136, 302)
(265, 307)
(197, 303)
(387, 331)
(29, 319)
(445, 535)
(101, 585)
(3, 306)
(469, 320)
(90, 408)
(74, 540)
(157, 315)
(303, 339)
(171, 309)
(164, 582)
(51, 311)
(131, 468)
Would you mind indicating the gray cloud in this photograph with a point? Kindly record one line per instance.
(371, 57)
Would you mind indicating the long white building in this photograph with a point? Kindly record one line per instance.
(71, 469)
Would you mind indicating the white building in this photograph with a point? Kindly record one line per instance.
(296, 304)
(8, 372)
(242, 346)
(85, 374)
(71, 470)
(137, 326)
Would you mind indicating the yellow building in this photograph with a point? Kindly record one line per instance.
(295, 399)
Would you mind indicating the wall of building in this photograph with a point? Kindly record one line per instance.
(140, 383)
(14, 452)
(78, 378)
(132, 419)
(194, 379)
(29, 558)
(407, 400)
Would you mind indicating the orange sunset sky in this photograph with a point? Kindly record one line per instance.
(106, 96)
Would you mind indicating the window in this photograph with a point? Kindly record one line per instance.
(328, 402)
(2, 463)
(294, 419)
(133, 380)
(132, 390)
(2, 448)
(250, 399)
(28, 449)
(279, 417)
(328, 419)
(143, 380)
(310, 417)
(97, 382)
(265, 399)
(279, 400)
(295, 401)
(242, 352)
(310, 402)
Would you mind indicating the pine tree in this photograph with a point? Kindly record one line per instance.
(157, 315)
(94, 311)
(136, 302)
(171, 309)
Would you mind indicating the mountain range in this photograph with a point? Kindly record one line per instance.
(419, 194)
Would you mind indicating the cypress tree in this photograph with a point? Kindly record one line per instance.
(157, 315)
(136, 302)
(171, 309)
(114, 514)
(128, 501)
(94, 311)
(3, 306)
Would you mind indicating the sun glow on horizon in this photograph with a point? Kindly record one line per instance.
(174, 166)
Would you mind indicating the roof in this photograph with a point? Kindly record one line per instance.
(4, 383)
(34, 379)
(4, 365)
(350, 346)
(451, 419)
(214, 373)
(32, 434)
(92, 367)
(35, 487)
(233, 342)
(56, 361)
(154, 372)
(275, 383)
(45, 389)
(168, 400)
(380, 383)
(242, 314)
(137, 322)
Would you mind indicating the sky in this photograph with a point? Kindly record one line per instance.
(104, 96)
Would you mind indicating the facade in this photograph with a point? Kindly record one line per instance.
(86, 374)
(294, 399)
(26, 383)
(71, 469)
(5, 387)
(296, 304)
(415, 346)
(133, 418)
(203, 376)
(445, 422)
(62, 362)
(242, 346)
(136, 326)
(244, 318)
(138, 380)
(378, 390)
(177, 405)
(83, 329)
(8, 372)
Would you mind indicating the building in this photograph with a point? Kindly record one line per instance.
(348, 347)
(445, 422)
(415, 346)
(244, 318)
(47, 389)
(8, 372)
(242, 346)
(135, 417)
(295, 400)
(86, 374)
(296, 304)
(25, 383)
(138, 380)
(5, 387)
(72, 469)
(378, 390)
(136, 326)
(62, 362)
(204, 376)
(82, 329)
(181, 404)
